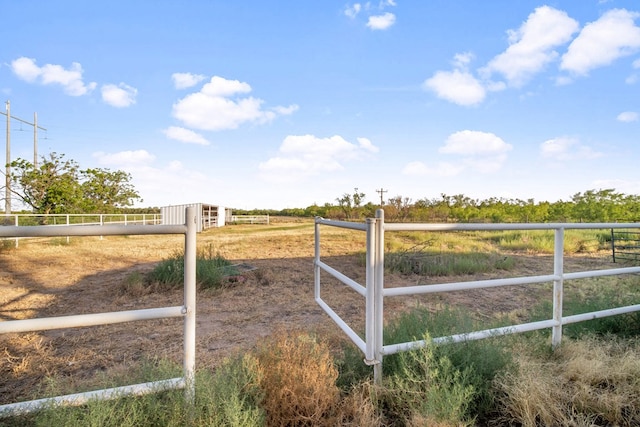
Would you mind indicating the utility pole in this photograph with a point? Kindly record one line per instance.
(35, 140)
(7, 201)
(381, 191)
(7, 188)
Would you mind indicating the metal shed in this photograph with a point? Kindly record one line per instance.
(207, 216)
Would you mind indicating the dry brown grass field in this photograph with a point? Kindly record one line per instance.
(90, 274)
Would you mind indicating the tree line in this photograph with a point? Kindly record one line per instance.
(58, 186)
(603, 205)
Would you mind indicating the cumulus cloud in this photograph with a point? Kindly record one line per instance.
(627, 116)
(482, 152)
(471, 143)
(566, 148)
(185, 135)
(367, 145)
(186, 80)
(304, 155)
(459, 87)
(531, 47)
(124, 158)
(353, 10)
(50, 74)
(601, 42)
(377, 18)
(220, 105)
(120, 96)
(381, 22)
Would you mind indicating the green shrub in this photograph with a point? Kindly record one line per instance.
(429, 389)
(478, 361)
(446, 264)
(211, 269)
(234, 394)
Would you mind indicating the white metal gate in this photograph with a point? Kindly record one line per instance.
(374, 291)
(186, 311)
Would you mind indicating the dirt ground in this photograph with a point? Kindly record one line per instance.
(91, 274)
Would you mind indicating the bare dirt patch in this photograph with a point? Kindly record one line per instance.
(89, 275)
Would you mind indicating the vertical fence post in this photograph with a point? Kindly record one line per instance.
(16, 222)
(190, 304)
(316, 267)
(613, 245)
(558, 285)
(379, 296)
(370, 314)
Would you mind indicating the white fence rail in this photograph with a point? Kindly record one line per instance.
(250, 219)
(374, 291)
(187, 311)
(81, 219)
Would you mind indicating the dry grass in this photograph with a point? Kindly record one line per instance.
(298, 379)
(587, 382)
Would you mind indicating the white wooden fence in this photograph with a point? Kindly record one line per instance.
(374, 291)
(187, 311)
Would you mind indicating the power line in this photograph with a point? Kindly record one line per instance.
(7, 201)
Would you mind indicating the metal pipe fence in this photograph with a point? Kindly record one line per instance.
(249, 219)
(81, 219)
(374, 290)
(187, 311)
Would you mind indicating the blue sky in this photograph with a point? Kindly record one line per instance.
(275, 104)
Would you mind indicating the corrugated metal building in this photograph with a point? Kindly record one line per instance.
(207, 216)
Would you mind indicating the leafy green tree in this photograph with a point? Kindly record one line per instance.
(105, 191)
(57, 185)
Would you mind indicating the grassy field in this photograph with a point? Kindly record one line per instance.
(268, 355)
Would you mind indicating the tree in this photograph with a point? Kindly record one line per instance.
(57, 185)
(350, 204)
(105, 190)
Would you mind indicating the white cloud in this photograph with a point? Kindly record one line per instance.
(462, 60)
(381, 22)
(600, 43)
(286, 111)
(217, 106)
(170, 184)
(566, 148)
(471, 143)
(531, 47)
(627, 116)
(367, 145)
(186, 80)
(482, 152)
(185, 135)
(352, 11)
(456, 86)
(124, 158)
(120, 96)
(70, 79)
(304, 155)
(222, 87)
